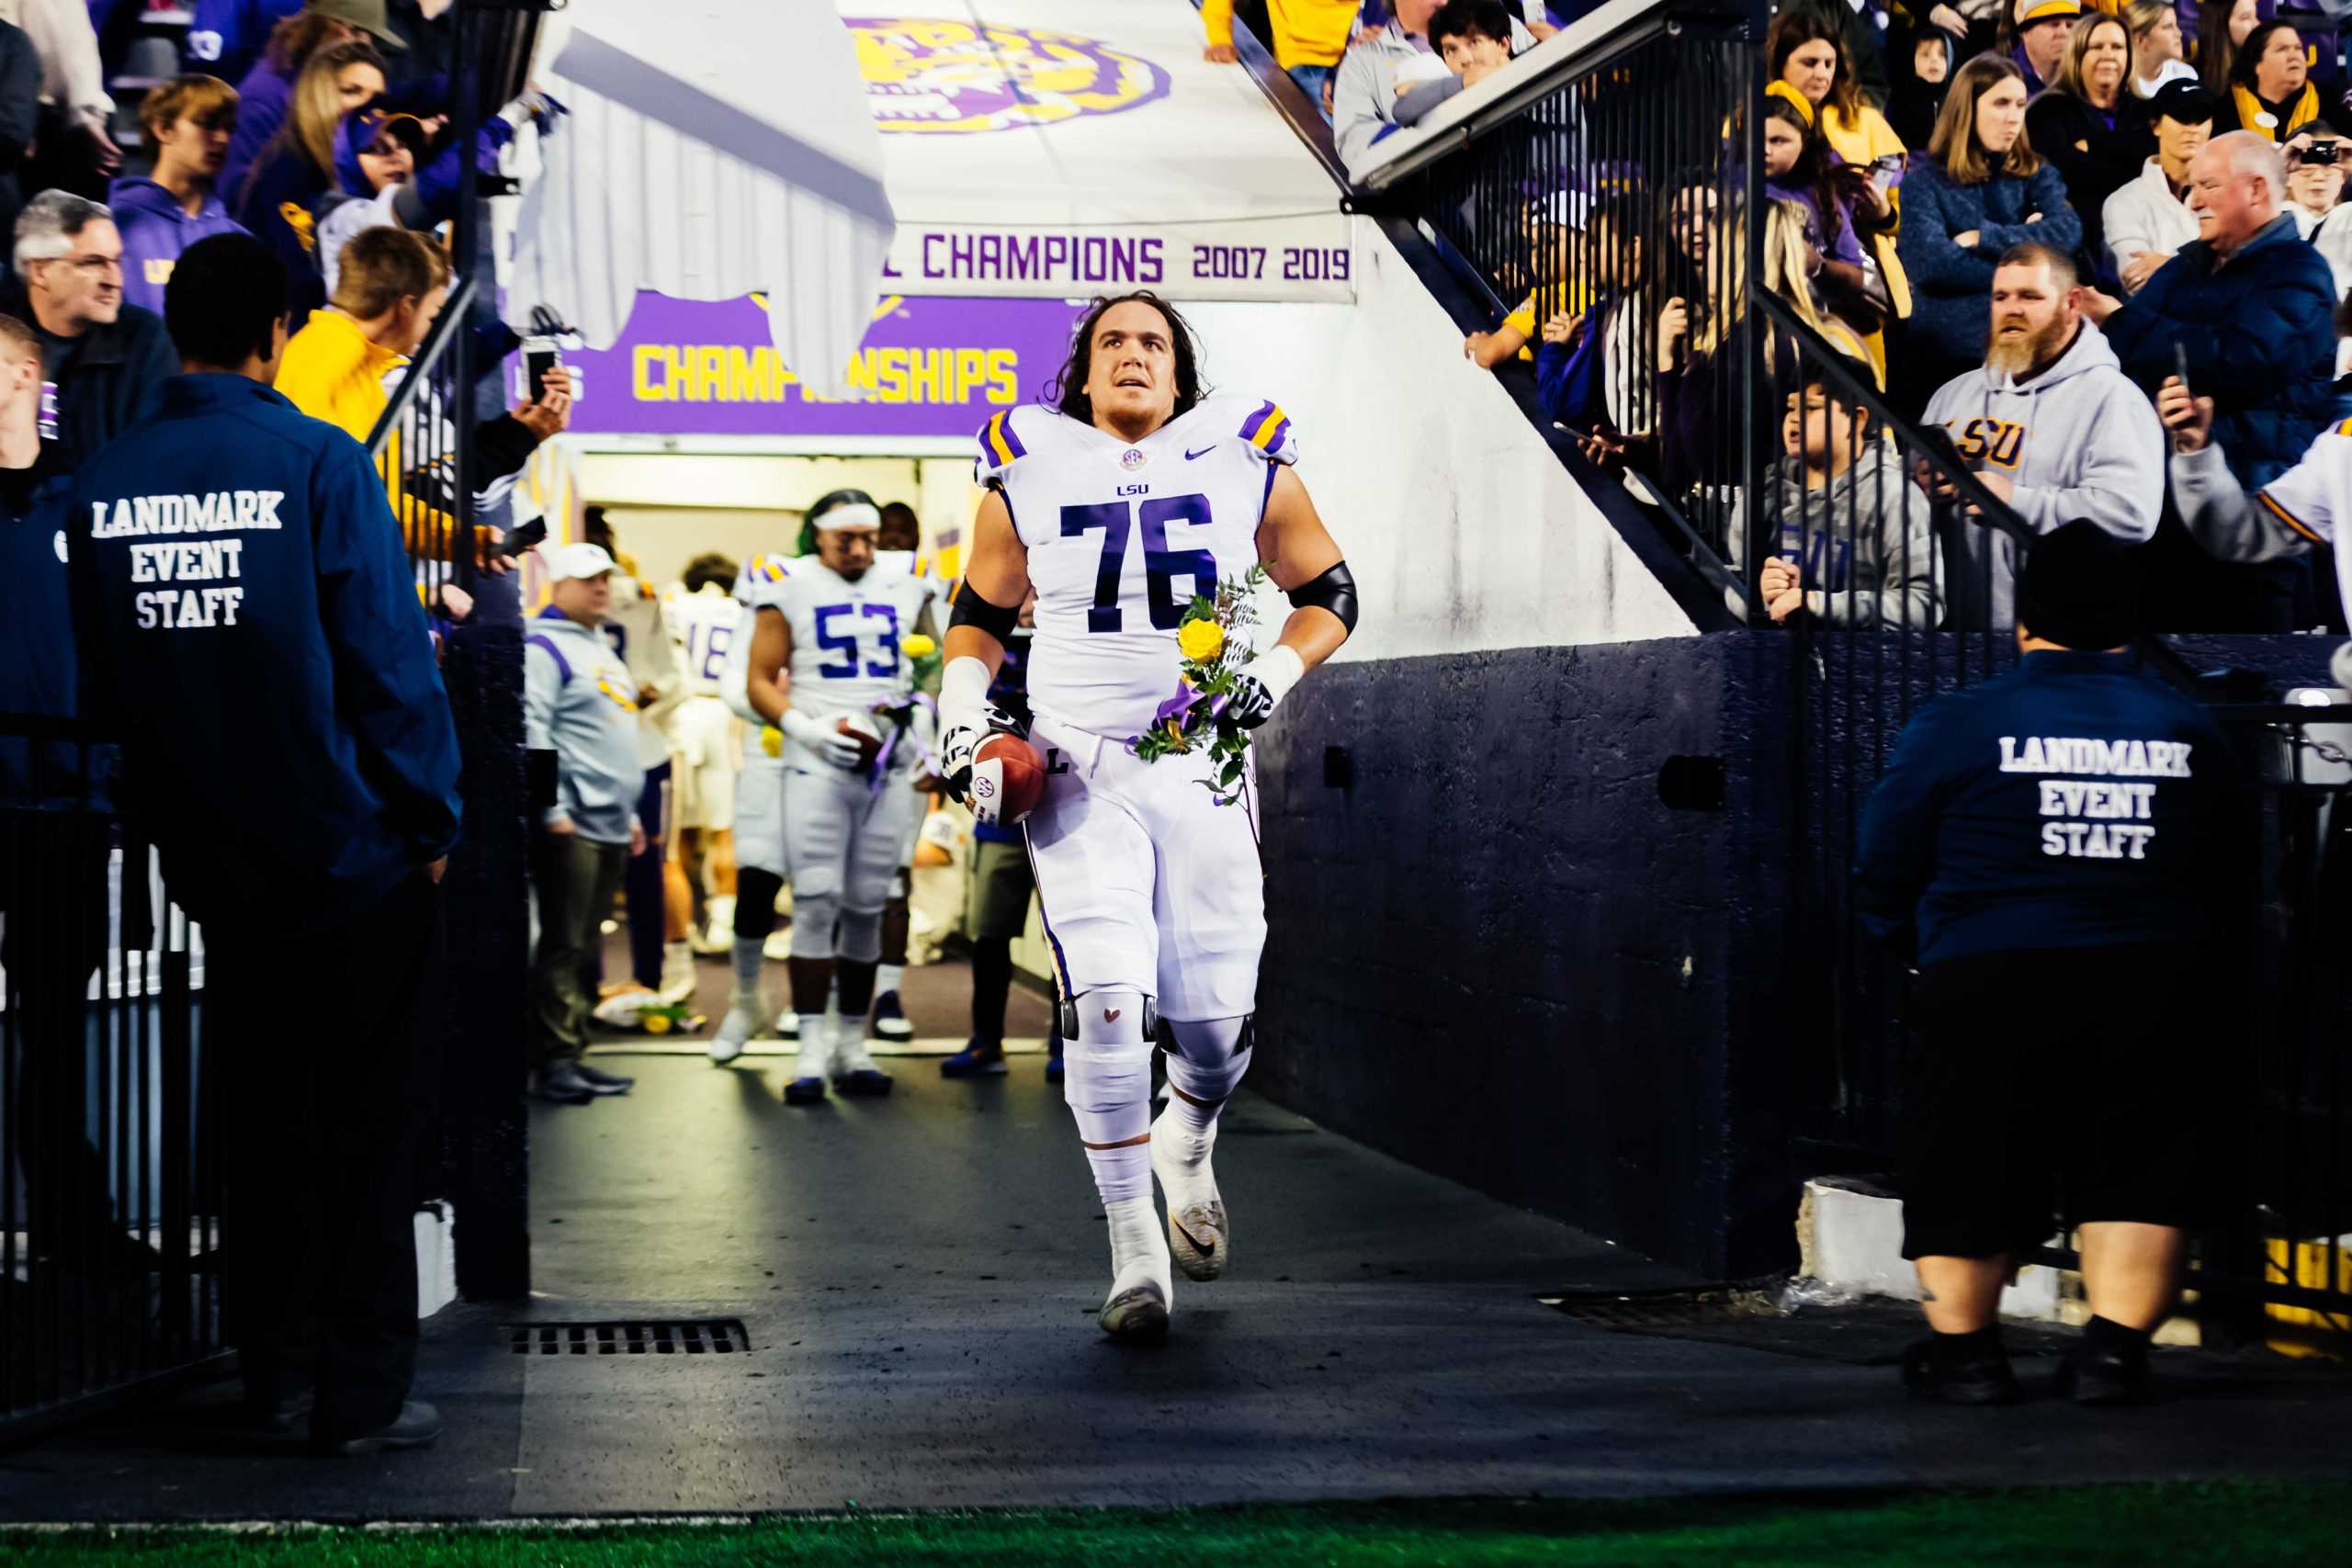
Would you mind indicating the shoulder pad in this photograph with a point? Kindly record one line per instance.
(1268, 430)
(757, 582)
(1001, 447)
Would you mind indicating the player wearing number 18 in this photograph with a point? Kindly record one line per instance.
(1119, 504)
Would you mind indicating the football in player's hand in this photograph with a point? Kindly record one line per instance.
(860, 728)
(1008, 781)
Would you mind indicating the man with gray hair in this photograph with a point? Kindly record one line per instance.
(2247, 309)
(105, 359)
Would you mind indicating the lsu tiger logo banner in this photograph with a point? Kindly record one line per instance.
(933, 75)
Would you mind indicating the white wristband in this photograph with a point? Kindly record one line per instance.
(1278, 669)
(963, 692)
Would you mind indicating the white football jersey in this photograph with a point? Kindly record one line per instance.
(702, 627)
(846, 636)
(1120, 538)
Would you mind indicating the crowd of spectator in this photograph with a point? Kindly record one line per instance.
(2016, 220)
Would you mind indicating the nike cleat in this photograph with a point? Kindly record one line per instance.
(804, 1091)
(1198, 1232)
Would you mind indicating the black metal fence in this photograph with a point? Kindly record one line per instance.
(111, 1227)
(1678, 345)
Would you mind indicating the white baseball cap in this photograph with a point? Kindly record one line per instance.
(577, 560)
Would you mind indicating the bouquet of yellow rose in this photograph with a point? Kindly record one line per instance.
(1215, 640)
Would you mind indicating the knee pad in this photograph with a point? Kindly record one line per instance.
(1066, 1014)
(1209, 1057)
(814, 916)
(861, 936)
(755, 894)
(1106, 1065)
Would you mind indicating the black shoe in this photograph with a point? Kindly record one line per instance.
(560, 1084)
(414, 1427)
(604, 1082)
(2090, 1374)
(1979, 1377)
(281, 1416)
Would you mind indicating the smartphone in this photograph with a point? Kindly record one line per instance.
(2180, 365)
(540, 354)
(522, 541)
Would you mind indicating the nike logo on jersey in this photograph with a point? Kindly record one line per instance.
(1202, 453)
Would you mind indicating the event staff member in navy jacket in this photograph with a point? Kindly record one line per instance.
(2064, 840)
(253, 630)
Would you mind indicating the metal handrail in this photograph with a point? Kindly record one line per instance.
(422, 365)
(1576, 50)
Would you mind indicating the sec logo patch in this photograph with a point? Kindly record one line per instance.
(925, 76)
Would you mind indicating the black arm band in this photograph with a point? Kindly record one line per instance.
(1334, 591)
(971, 610)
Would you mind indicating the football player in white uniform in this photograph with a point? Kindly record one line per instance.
(701, 614)
(759, 815)
(1118, 505)
(897, 547)
(828, 669)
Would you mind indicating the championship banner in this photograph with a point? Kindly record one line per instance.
(1292, 258)
(1065, 148)
(927, 368)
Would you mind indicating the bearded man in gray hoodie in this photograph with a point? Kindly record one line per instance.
(2052, 425)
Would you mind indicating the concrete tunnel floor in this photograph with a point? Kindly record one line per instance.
(918, 1278)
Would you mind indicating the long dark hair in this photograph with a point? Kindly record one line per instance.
(1812, 172)
(1066, 391)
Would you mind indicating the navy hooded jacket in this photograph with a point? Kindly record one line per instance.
(37, 664)
(2075, 801)
(255, 636)
(2261, 341)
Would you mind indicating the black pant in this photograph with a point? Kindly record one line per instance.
(2074, 1081)
(54, 888)
(323, 1040)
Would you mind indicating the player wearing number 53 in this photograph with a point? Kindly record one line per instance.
(828, 667)
(1132, 506)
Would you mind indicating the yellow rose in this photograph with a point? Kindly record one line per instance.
(919, 646)
(772, 740)
(1200, 640)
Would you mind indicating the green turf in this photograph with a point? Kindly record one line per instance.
(2227, 1522)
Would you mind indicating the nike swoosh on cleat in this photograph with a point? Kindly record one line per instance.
(1204, 1248)
(1202, 453)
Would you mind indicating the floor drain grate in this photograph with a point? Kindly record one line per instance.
(708, 1336)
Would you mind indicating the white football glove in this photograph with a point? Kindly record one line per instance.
(842, 750)
(1264, 684)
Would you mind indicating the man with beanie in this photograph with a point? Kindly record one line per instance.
(2060, 847)
(2050, 424)
(580, 705)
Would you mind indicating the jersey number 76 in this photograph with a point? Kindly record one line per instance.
(1161, 565)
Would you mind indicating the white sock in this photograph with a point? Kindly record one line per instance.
(1122, 1175)
(850, 1054)
(747, 960)
(816, 1047)
(1136, 1233)
(887, 978)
